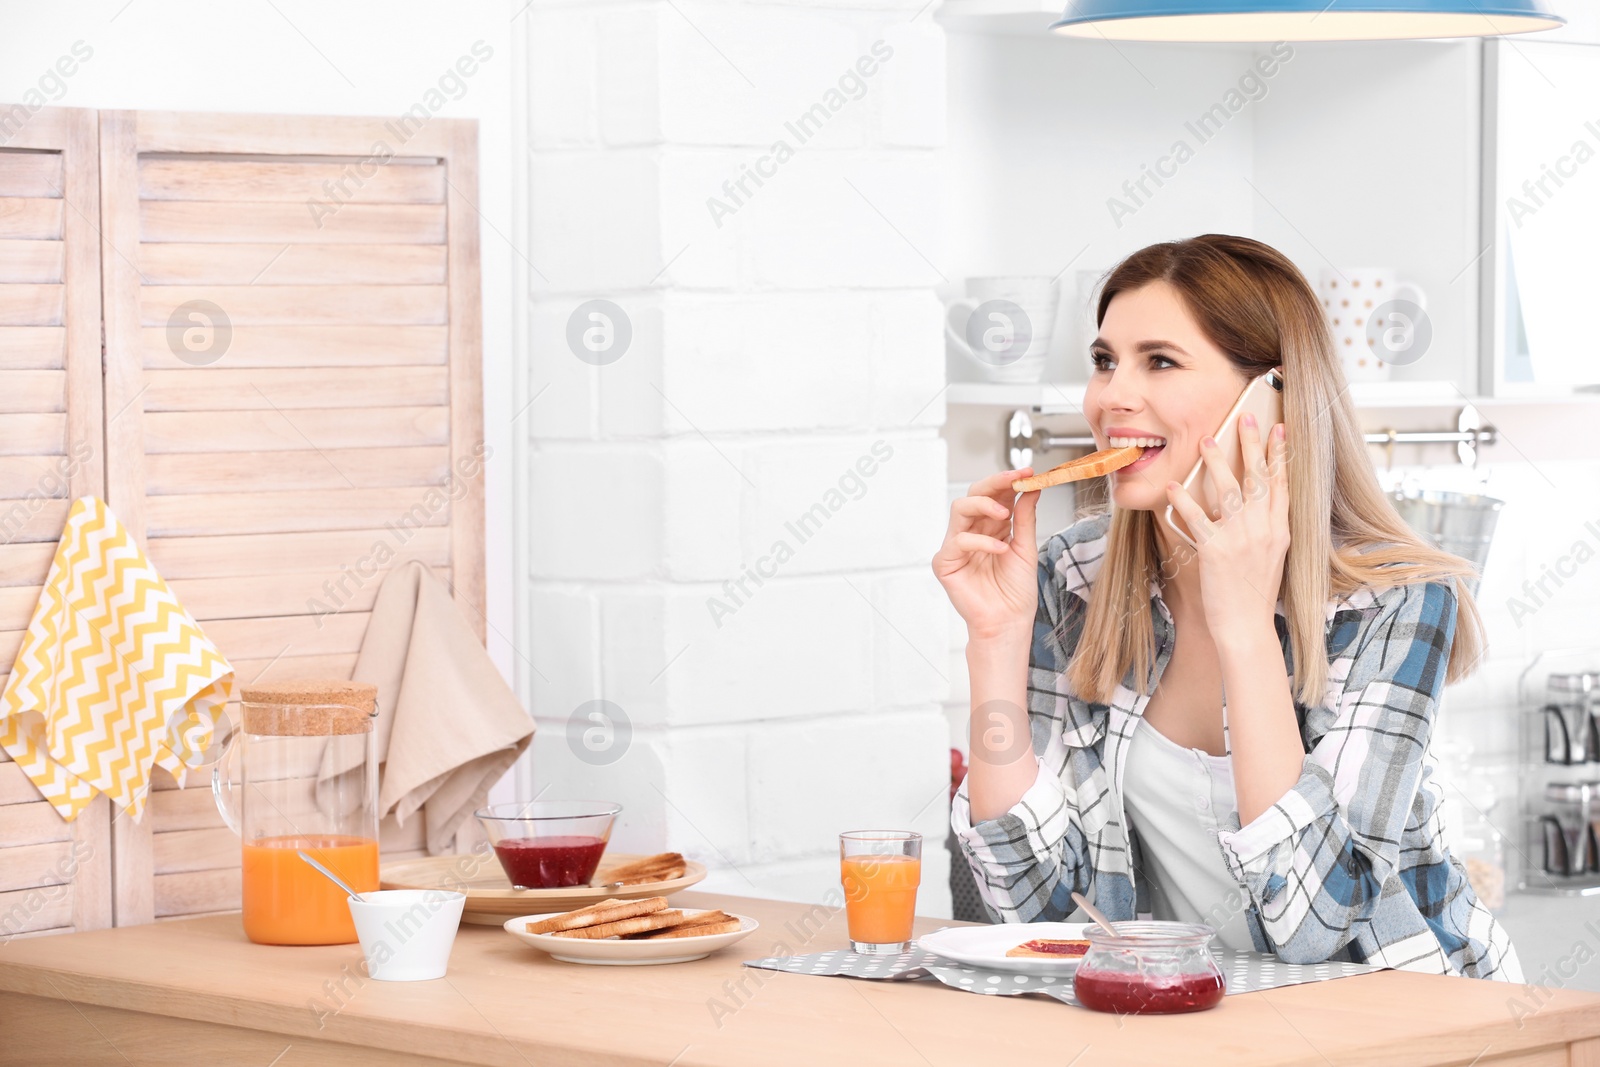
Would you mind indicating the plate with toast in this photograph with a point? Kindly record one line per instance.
(1019, 948)
(623, 933)
(491, 900)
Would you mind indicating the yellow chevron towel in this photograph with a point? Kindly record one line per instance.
(113, 676)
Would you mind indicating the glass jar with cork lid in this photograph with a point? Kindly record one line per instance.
(301, 774)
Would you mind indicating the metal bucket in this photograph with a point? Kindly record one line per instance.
(1459, 523)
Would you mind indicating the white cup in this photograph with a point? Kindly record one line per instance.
(1080, 318)
(1378, 322)
(1002, 327)
(406, 934)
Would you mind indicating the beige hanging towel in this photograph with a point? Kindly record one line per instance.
(448, 724)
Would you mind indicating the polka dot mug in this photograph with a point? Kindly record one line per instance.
(1377, 321)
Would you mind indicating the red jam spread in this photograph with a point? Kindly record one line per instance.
(1137, 994)
(549, 862)
(1046, 946)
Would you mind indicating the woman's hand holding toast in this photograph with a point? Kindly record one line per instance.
(988, 561)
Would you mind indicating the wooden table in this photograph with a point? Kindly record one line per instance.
(196, 992)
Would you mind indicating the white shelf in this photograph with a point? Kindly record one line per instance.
(1409, 395)
(1059, 396)
(1065, 398)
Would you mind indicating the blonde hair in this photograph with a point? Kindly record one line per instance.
(1254, 304)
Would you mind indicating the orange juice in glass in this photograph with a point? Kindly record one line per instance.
(880, 870)
(287, 902)
(300, 773)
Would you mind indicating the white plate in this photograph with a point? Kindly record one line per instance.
(620, 953)
(986, 946)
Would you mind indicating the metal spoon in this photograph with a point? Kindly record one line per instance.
(1093, 913)
(334, 878)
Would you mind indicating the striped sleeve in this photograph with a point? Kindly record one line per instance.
(1317, 861)
(1028, 861)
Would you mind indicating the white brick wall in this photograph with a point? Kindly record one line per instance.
(893, 521)
(599, 508)
(784, 362)
(761, 664)
(907, 116)
(850, 772)
(723, 74)
(872, 220)
(563, 54)
(595, 220)
(724, 362)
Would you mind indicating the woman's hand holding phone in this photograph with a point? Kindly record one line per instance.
(988, 562)
(1241, 553)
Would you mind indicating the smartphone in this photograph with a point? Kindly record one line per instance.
(1263, 398)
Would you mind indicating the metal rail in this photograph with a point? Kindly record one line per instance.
(1022, 440)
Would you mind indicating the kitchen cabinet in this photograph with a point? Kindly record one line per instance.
(1541, 216)
(1348, 154)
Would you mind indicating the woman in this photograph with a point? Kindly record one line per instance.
(1234, 733)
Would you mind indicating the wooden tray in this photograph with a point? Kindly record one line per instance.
(491, 900)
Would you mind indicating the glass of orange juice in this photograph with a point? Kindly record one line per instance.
(881, 870)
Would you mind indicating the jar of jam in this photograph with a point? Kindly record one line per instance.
(1149, 968)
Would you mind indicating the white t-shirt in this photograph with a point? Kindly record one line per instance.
(1177, 799)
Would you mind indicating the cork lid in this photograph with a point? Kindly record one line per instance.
(308, 707)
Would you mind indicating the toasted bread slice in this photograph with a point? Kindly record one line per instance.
(704, 918)
(663, 874)
(657, 868)
(648, 863)
(723, 926)
(607, 911)
(638, 924)
(1091, 466)
(576, 917)
(1050, 949)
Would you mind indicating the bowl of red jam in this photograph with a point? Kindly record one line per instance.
(549, 844)
(1149, 967)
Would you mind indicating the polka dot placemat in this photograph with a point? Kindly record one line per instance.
(1244, 972)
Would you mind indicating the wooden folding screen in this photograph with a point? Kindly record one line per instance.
(54, 875)
(292, 327)
(292, 406)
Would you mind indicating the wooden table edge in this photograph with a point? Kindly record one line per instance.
(1562, 1018)
(243, 1012)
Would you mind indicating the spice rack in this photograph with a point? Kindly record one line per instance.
(1558, 698)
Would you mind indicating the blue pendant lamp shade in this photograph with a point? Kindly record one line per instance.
(1301, 20)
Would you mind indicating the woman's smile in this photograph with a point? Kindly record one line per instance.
(1122, 436)
(1159, 383)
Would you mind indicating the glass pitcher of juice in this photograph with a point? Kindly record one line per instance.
(300, 774)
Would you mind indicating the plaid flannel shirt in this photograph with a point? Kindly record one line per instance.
(1350, 864)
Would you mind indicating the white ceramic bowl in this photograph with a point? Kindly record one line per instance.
(406, 934)
(620, 953)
